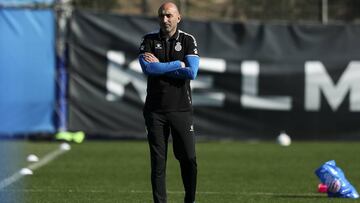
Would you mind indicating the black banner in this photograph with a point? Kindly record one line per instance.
(255, 79)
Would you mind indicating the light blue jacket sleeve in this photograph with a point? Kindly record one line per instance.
(158, 68)
(190, 71)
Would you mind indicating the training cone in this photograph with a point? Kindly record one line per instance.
(65, 146)
(32, 158)
(26, 172)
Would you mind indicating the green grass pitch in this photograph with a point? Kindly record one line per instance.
(229, 172)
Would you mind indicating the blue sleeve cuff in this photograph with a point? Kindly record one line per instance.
(191, 69)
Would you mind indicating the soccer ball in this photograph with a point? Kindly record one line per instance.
(284, 139)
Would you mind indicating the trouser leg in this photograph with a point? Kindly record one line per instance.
(158, 134)
(182, 132)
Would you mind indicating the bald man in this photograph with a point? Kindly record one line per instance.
(169, 58)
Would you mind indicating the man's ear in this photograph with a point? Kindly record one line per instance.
(179, 18)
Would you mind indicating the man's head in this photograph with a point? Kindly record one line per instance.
(169, 17)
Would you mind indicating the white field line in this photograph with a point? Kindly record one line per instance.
(45, 160)
(238, 193)
(179, 192)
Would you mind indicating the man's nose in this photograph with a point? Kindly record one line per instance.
(165, 19)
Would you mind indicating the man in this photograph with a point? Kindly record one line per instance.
(170, 59)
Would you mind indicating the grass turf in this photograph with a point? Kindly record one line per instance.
(118, 171)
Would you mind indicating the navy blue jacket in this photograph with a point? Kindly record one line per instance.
(168, 85)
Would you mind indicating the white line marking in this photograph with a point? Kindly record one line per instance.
(274, 194)
(45, 160)
(236, 193)
(8, 181)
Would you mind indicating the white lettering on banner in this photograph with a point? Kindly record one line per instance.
(206, 98)
(317, 80)
(119, 76)
(213, 64)
(249, 98)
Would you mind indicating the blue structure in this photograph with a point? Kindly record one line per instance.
(27, 81)
(7, 3)
(27, 70)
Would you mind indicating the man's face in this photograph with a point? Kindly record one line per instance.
(169, 17)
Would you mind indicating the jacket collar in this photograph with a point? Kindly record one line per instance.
(174, 37)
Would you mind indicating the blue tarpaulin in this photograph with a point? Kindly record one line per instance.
(27, 70)
(24, 2)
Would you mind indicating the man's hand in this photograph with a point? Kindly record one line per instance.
(149, 57)
(183, 65)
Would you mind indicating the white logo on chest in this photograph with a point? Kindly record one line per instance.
(158, 46)
(192, 128)
(178, 46)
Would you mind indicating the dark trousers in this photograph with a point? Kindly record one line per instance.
(159, 127)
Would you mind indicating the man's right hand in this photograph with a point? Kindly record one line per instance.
(149, 57)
